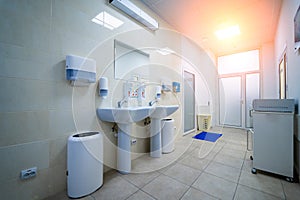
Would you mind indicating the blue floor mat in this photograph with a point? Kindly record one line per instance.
(207, 136)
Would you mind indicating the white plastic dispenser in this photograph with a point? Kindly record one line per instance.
(80, 71)
(158, 92)
(103, 87)
(176, 87)
(141, 94)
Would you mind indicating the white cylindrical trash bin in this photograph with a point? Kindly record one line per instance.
(84, 163)
(167, 135)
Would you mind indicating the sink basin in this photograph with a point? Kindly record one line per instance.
(124, 115)
(163, 111)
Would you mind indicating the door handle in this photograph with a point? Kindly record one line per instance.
(250, 112)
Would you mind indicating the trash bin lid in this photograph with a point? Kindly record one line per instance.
(86, 134)
(167, 119)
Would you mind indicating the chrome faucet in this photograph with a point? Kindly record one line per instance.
(151, 103)
(120, 103)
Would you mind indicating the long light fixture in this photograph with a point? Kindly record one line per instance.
(228, 32)
(135, 12)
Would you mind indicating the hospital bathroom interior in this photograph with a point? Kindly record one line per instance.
(142, 99)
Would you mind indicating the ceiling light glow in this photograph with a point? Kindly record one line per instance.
(107, 20)
(228, 32)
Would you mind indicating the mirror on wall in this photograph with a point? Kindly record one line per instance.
(130, 61)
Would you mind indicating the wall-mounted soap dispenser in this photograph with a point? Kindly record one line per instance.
(141, 94)
(158, 92)
(103, 87)
(176, 87)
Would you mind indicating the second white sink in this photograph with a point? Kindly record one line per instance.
(124, 115)
(163, 111)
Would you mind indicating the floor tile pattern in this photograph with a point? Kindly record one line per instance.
(195, 170)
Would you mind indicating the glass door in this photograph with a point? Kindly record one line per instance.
(239, 84)
(252, 92)
(230, 91)
(189, 102)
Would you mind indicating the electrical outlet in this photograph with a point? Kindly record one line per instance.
(28, 173)
(133, 141)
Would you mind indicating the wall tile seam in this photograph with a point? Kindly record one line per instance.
(49, 140)
(37, 111)
(64, 81)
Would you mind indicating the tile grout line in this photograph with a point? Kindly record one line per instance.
(238, 181)
(94, 198)
(141, 188)
(185, 192)
(269, 194)
(147, 193)
(191, 186)
(283, 189)
(202, 170)
(212, 160)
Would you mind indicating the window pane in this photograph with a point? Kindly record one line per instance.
(239, 62)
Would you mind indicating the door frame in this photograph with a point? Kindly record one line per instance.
(283, 59)
(188, 70)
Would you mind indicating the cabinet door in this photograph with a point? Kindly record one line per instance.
(273, 142)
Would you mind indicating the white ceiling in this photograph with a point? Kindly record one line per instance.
(199, 19)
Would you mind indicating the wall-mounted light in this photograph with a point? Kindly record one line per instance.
(228, 32)
(135, 12)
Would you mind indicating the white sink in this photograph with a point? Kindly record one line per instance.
(163, 111)
(124, 115)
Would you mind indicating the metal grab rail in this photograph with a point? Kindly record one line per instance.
(248, 134)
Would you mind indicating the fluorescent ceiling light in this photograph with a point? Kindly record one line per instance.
(107, 20)
(165, 51)
(228, 32)
(135, 12)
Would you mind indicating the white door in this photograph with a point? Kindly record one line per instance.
(238, 86)
(234, 91)
(230, 91)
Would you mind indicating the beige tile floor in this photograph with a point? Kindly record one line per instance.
(195, 170)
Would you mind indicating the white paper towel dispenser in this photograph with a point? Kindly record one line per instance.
(80, 70)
